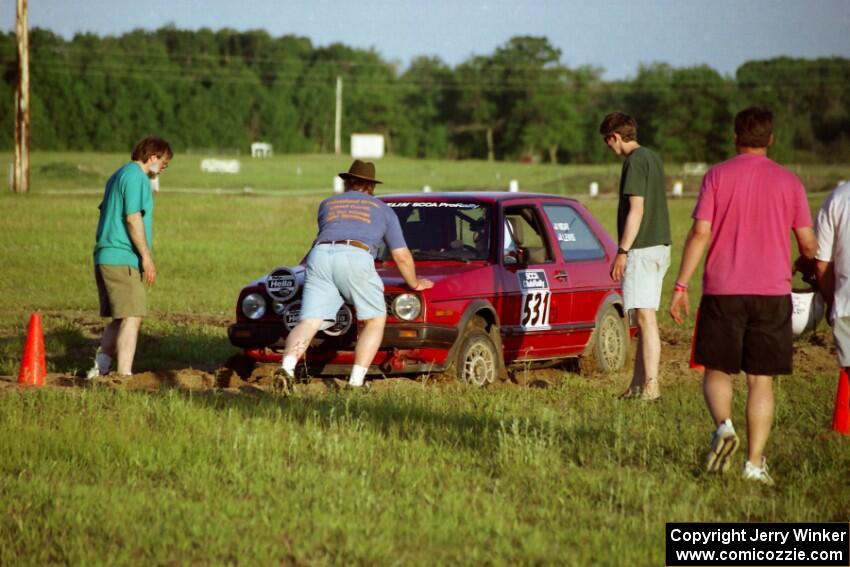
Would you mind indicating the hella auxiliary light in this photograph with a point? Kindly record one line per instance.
(283, 283)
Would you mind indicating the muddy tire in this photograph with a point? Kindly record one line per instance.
(477, 360)
(609, 345)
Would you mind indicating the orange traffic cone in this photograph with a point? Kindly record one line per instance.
(33, 367)
(692, 363)
(841, 415)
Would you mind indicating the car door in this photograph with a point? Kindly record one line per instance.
(536, 298)
(585, 262)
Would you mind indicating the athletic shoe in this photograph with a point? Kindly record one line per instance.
(630, 394)
(93, 372)
(650, 391)
(102, 362)
(723, 445)
(283, 381)
(760, 474)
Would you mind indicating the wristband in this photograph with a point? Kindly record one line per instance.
(680, 287)
(622, 250)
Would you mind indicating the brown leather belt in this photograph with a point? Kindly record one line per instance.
(355, 243)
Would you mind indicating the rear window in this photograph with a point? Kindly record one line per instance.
(575, 238)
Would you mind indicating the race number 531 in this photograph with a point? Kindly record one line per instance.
(536, 299)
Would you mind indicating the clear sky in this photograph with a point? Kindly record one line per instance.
(616, 35)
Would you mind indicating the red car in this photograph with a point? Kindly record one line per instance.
(519, 278)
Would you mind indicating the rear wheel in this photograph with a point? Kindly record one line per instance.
(609, 344)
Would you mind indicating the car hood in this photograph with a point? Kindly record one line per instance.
(436, 273)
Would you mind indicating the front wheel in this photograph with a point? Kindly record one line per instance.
(477, 361)
(609, 344)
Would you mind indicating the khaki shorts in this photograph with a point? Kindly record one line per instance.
(121, 291)
(644, 276)
(841, 334)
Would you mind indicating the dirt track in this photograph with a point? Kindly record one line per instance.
(814, 356)
(225, 379)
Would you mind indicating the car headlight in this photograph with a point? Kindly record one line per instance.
(407, 306)
(254, 306)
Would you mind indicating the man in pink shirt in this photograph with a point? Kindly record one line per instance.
(746, 208)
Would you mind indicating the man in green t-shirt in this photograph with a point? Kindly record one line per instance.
(643, 233)
(122, 253)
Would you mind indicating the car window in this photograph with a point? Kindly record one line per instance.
(437, 230)
(575, 238)
(524, 242)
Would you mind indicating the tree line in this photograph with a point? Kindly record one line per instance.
(222, 90)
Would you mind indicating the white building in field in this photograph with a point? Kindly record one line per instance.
(261, 150)
(213, 165)
(364, 146)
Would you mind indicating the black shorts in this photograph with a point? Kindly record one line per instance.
(745, 332)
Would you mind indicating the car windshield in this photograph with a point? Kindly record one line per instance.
(440, 230)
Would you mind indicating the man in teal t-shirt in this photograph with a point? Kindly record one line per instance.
(122, 253)
(643, 234)
(127, 192)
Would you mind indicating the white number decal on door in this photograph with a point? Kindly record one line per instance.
(536, 299)
(535, 309)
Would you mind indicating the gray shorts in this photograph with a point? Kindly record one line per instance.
(841, 334)
(338, 273)
(644, 276)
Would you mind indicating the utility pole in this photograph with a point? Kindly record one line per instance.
(21, 181)
(338, 121)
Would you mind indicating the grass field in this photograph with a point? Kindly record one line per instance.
(413, 473)
(294, 174)
(312, 173)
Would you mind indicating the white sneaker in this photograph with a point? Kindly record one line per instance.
(102, 363)
(93, 373)
(760, 474)
(358, 376)
(287, 366)
(283, 380)
(724, 443)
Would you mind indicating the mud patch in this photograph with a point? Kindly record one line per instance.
(814, 355)
(185, 379)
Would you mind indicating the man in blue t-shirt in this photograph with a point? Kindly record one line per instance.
(122, 253)
(341, 267)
